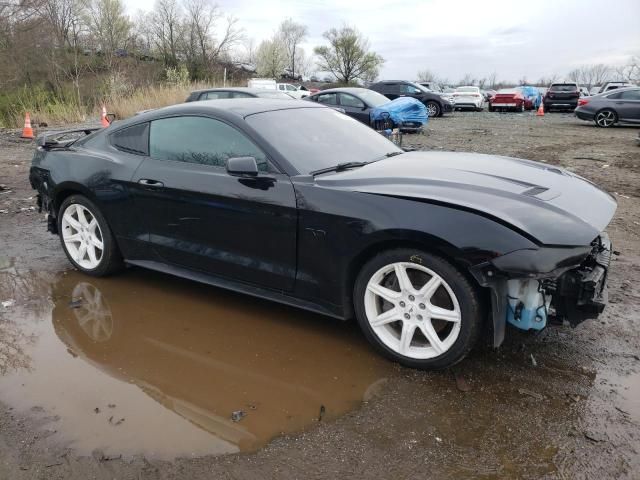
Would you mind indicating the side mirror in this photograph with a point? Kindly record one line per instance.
(242, 166)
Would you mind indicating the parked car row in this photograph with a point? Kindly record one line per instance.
(619, 103)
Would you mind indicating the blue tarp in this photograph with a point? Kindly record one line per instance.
(403, 110)
(533, 94)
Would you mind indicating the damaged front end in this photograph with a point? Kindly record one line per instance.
(531, 288)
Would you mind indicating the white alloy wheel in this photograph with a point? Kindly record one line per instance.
(92, 312)
(82, 236)
(412, 310)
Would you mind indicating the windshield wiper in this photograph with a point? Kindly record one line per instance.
(339, 167)
(393, 154)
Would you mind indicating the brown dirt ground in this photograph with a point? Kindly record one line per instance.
(582, 420)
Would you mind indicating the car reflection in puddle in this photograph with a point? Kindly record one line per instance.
(170, 347)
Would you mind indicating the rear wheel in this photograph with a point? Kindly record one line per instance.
(417, 309)
(606, 118)
(433, 109)
(86, 237)
(521, 107)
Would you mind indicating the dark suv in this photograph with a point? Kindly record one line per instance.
(392, 89)
(562, 96)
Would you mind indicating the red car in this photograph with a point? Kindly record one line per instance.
(510, 99)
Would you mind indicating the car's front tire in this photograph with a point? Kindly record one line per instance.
(86, 237)
(417, 309)
(434, 109)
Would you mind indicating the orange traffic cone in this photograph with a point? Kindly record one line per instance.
(27, 131)
(103, 117)
(540, 112)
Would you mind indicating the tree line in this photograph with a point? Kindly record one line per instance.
(588, 76)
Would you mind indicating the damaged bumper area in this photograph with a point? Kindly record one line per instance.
(531, 288)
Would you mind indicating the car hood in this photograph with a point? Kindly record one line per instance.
(546, 203)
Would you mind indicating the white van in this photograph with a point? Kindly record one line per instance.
(264, 83)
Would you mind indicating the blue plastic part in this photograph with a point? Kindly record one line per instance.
(532, 93)
(401, 110)
(528, 318)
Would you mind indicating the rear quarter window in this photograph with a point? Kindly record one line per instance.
(134, 139)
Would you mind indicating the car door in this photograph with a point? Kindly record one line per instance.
(202, 218)
(627, 105)
(354, 107)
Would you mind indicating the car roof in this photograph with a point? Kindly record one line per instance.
(395, 81)
(233, 89)
(238, 107)
(353, 90)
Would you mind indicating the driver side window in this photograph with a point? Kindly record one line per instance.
(201, 140)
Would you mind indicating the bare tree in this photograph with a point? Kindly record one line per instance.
(271, 58)
(166, 26)
(467, 79)
(292, 35)
(427, 76)
(107, 21)
(64, 18)
(491, 81)
(348, 57)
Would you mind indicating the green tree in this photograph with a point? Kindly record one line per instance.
(347, 56)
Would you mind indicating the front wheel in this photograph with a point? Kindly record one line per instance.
(433, 109)
(86, 237)
(417, 309)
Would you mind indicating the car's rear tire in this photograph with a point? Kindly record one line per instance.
(605, 118)
(86, 237)
(434, 109)
(491, 109)
(417, 309)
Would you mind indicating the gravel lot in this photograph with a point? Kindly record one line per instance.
(561, 404)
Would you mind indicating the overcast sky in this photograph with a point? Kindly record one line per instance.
(513, 38)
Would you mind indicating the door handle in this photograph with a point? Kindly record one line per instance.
(150, 183)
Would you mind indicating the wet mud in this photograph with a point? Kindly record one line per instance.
(144, 363)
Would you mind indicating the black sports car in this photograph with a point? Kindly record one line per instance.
(426, 249)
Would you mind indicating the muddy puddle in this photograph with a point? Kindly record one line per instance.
(142, 363)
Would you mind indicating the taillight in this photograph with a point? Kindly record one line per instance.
(582, 101)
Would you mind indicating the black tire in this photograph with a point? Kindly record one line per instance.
(435, 108)
(491, 109)
(471, 309)
(599, 118)
(111, 260)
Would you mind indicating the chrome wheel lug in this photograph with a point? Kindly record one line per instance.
(402, 304)
(407, 316)
(412, 298)
(419, 317)
(422, 306)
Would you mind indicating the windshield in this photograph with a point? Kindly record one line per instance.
(507, 90)
(467, 89)
(374, 99)
(274, 94)
(318, 138)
